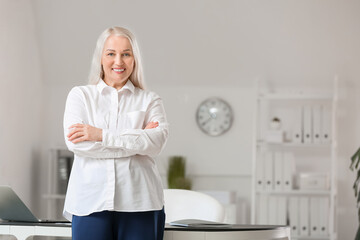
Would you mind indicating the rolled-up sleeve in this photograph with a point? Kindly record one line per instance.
(142, 141)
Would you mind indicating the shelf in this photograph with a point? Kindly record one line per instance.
(291, 144)
(295, 96)
(296, 192)
(297, 108)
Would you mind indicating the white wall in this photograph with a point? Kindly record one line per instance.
(20, 100)
(196, 49)
(207, 42)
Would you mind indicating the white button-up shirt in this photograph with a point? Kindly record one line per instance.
(119, 173)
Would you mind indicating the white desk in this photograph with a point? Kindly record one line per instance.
(23, 231)
(237, 232)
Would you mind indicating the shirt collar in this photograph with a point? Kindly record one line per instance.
(102, 85)
(129, 85)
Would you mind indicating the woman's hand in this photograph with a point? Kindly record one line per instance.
(152, 125)
(84, 132)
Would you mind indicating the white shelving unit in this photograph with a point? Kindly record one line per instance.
(59, 166)
(314, 156)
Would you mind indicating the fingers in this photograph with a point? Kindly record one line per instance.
(84, 132)
(76, 135)
(80, 139)
(77, 125)
(75, 128)
(152, 125)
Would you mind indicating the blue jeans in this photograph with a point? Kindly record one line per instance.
(110, 225)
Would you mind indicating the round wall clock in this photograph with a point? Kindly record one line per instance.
(214, 116)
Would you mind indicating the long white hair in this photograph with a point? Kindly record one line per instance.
(97, 72)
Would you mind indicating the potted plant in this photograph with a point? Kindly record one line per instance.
(355, 166)
(176, 173)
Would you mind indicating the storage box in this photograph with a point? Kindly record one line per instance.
(275, 136)
(314, 181)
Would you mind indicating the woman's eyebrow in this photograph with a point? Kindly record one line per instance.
(112, 50)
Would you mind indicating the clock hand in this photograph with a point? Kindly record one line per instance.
(208, 120)
(212, 115)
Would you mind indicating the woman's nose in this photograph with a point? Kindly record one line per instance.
(118, 60)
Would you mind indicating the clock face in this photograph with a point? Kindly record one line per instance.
(214, 116)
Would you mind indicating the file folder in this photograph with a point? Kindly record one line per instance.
(260, 172)
(269, 167)
(304, 216)
(272, 210)
(281, 210)
(262, 217)
(297, 136)
(278, 171)
(307, 124)
(326, 124)
(317, 114)
(288, 170)
(314, 216)
(294, 216)
(324, 216)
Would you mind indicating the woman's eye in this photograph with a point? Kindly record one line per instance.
(110, 54)
(126, 54)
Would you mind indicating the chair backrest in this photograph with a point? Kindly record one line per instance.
(185, 204)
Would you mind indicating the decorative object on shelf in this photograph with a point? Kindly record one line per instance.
(214, 116)
(176, 173)
(275, 124)
(355, 166)
(275, 134)
(314, 181)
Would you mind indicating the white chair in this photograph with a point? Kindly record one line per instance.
(185, 204)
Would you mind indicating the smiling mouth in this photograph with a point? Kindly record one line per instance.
(119, 70)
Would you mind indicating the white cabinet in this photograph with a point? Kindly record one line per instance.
(294, 160)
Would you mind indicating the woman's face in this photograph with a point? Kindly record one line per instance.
(117, 61)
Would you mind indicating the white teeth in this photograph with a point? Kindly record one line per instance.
(119, 70)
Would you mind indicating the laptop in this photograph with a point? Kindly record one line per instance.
(13, 209)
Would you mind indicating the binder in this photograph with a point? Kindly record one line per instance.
(259, 211)
(294, 215)
(326, 124)
(278, 171)
(269, 163)
(260, 172)
(324, 216)
(297, 136)
(288, 170)
(262, 217)
(314, 216)
(272, 210)
(307, 124)
(281, 210)
(304, 216)
(317, 114)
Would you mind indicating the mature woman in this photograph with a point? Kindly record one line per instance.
(115, 129)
